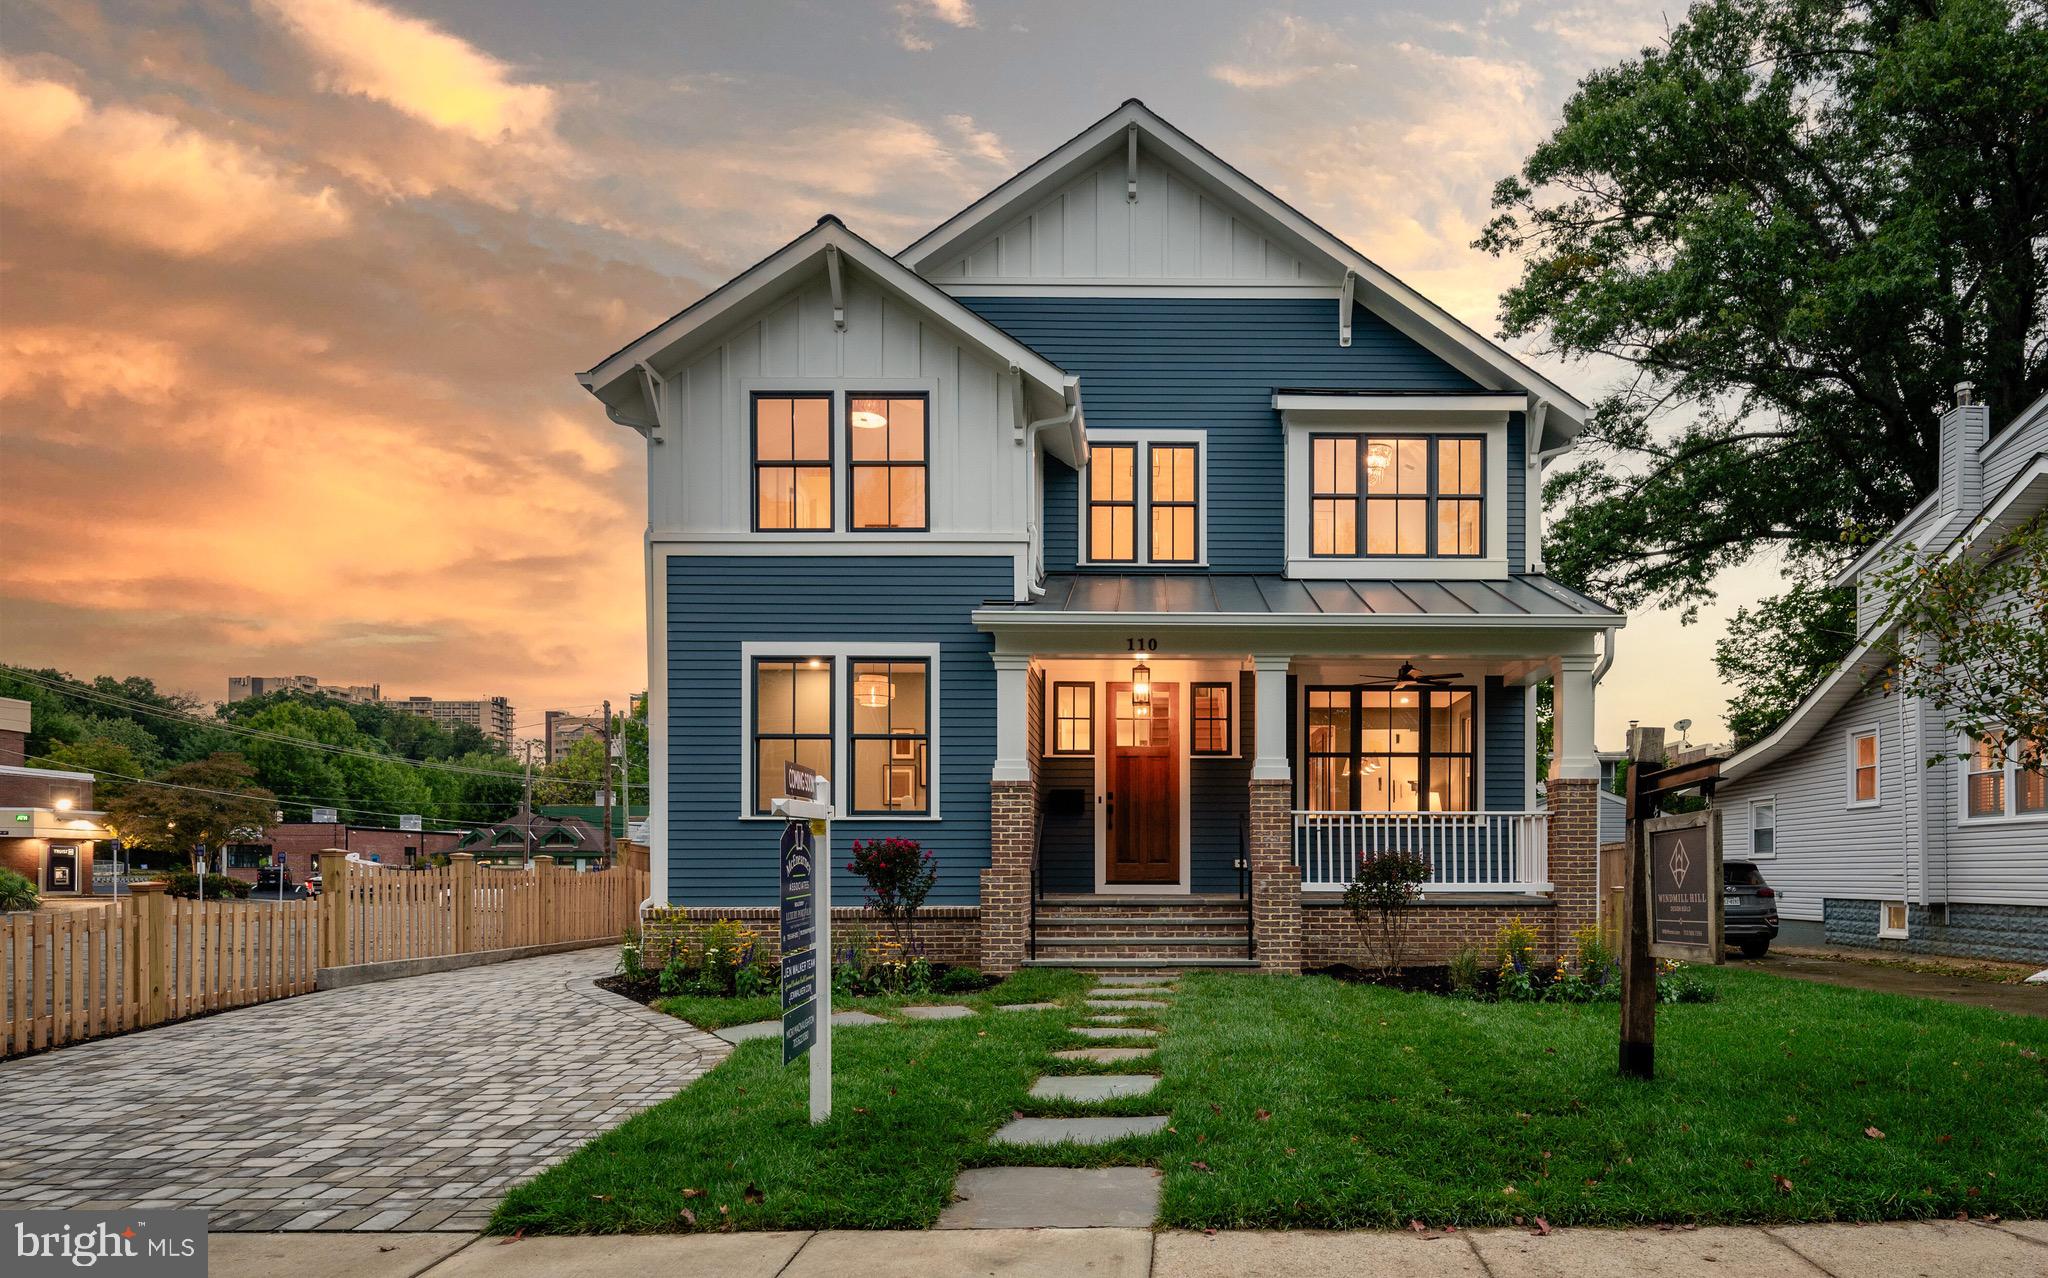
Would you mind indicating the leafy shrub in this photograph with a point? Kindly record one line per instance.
(754, 979)
(1594, 956)
(900, 875)
(1382, 886)
(1514, 947)
(629, 955)
(676, 976)
(219, 887)
(1465, 971)
(1677, 983)
(17, 891)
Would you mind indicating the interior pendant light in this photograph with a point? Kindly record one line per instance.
(873, 691)
(866, 418)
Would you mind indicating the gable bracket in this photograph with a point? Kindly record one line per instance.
(651, 385)
(838, 287)
(1131, 164)
(1344, 308)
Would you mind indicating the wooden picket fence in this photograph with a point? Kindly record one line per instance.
(147, 958)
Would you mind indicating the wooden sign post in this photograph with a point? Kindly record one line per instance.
(1671, 907)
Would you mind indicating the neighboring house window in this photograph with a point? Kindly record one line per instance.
(1414, 495)
(891, 759)
(1763, 828)
(1113, 503)
(1863, 766)
(1143, 498)
(792, 462)
(1175, 504)
(1368, 752)
(1892, 920)
(887, 451)
(1997, 784)
(1073, 718)
(1211, 722)
(792, 722)
(248, 856)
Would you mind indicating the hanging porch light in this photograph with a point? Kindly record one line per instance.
(1141, 689)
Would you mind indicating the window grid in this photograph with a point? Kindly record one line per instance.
(1073, 718)
(1763, 827)
(1998, 783)
(1174, 501)
(1413, 496)
(1333, 497)
(1113, 503)
(791, 454)
(888, 461)
(801, 741)
(1863, 756)
(900, 754)
(1210, 724)
(1340, 753)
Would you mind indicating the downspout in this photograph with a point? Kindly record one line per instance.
(1033, 516)
(1606, 654)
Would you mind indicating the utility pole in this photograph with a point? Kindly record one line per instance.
(606, 776)
(526, 801)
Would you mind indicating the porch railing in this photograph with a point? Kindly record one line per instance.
(1466, 851)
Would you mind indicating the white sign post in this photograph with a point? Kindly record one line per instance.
(814, 808)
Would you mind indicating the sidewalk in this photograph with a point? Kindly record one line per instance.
(1919, 1249)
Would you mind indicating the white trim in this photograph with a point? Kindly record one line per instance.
(18, 770)
(1332, 674)
(839, 437)
(1016, 286)
(999, 618)
(1346, 406)
(1894, 934)
(1141, 494)
(2010, 770)
(654, 564)
(1855, 733)
(820, 545)
(841, 652)
(1763, 800)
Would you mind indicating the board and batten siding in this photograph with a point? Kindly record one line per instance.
(1212, 364)
(1090, 230)
(717, 603)
(700, 480)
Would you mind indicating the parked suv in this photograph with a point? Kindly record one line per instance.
(274, 882)
(1749, 917)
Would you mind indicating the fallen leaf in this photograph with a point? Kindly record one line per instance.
(1263, 1115)
(1418, 1226)
(1592, 1181)
(724, 1210)
(693, 1193)
(689, 1217)
(1214, 1108)
(1791, 1118)
(752, 1193)
(1509, 1190)
(1542, 1228)
(1943, 1139)
(1199, 1165)
(860, 1109)
(602, 1198)
(517, 1234)
(1784, 1185)
(1873, 1133)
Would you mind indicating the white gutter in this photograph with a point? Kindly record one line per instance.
(1606, 654)
(1034, 539)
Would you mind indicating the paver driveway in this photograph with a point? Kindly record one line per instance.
(410, 1104)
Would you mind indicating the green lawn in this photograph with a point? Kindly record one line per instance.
(1311, 1103)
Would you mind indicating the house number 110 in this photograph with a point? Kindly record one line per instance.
(1141, 645)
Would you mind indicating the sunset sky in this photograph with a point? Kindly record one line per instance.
(292, 291)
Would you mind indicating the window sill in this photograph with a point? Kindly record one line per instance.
(864, 819)
(1397, 567)
(1132, 565)
(2016, 818)
(1862, 805)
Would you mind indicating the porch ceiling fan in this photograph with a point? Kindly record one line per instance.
(1408, 679)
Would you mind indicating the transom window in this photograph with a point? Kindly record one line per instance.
(792, 722)
(887, 451)
(1210, 724)
(1412, 495)
(1998, 783)
(891, 736)
(1142, 500)
(1073, 718)
(792, 442)
(1367, 750)
(1863, 766)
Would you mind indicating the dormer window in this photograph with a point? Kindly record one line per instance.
(792, 437)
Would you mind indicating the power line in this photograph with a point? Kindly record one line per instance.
(137, 707)
(232, 794)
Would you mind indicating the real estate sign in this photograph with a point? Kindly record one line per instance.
(1684, 899)
(799, 941)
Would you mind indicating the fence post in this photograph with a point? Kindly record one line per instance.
(152, 949)
(544, 905)
(463, 867)
(334, 909)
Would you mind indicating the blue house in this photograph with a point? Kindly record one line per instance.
(1132, 543)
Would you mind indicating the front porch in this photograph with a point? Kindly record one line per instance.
(1180, 803)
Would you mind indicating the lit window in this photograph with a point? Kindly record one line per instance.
(1414, 495)
(1863, 766)
(1113, 503)
(887, 454)
(2030, 783)
(1211, 722)
(2001, 780)
(891, 736)
(1174, 503)
(1367, 751)
(792, 462)
(1893, 919)
(1073, 718)
(1763, 827)
(792, 722)
(1986, 780)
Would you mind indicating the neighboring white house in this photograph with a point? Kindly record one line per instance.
(1839, 806)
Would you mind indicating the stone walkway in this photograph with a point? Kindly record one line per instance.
(405, 1105)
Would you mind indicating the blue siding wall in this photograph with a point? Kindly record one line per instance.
(1213, 364)
(1066, 861)
(1518, 483)
(1507, 760)
(1221, 799)
(716, 603)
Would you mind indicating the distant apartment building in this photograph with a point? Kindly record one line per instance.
(563, 730)
(492, 716)
(242, 687)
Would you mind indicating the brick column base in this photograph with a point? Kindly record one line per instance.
(1006, 883)
(1574, 856)
(1276, 880)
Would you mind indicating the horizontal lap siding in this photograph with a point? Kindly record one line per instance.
(1219, 802)
(717, 603)
(1507, 760)
(1210, 364)
(1066, 861)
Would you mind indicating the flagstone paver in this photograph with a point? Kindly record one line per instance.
(1112, 1031)
(1081, 1131)
(1147, 978)
(773, 1029)
(1053, 1198)
(1130, 991)
(1092, 1087)
(1105, 1055)
(403, 1105)
(1025, 1007)
(1103, 1018)
(1126, 1002)
(937, 1012)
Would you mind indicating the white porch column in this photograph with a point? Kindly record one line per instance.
(1013, 694)
(1269, 696)
(1571, 741)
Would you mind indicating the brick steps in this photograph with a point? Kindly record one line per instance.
(1107, 942)
(1148, 964)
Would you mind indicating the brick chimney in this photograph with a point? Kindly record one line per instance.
(1964, 428)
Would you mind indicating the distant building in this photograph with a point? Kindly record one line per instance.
(570, 840)
(492, 716)
(564, 730)
(242, 687)
(298, 844)
(49, 828)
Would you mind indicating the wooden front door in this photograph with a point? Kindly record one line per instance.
(1142, 816)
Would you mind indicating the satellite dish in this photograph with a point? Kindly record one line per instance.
(1682, 725)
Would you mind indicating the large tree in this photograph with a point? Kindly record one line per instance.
(1798, 224)
(202, 803)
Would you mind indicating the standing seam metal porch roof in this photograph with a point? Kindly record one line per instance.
(1200, 596)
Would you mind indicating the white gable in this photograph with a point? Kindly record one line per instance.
(1090, 230)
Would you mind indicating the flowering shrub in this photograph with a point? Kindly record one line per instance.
(721, 958)
(865, 963)
(900, 875)
(1380, 888)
